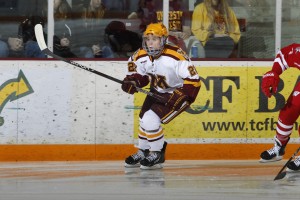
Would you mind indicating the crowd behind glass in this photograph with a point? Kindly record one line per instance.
(113, 28)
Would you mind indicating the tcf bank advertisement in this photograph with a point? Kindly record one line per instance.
(230, 106)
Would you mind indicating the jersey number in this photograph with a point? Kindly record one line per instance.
(192, 70)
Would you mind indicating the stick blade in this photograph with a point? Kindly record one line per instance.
(38, 30)
(280, 176)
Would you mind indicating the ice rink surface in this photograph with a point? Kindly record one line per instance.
(178, 180)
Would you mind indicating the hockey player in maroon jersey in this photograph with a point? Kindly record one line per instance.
(288, 56)
(173, 77)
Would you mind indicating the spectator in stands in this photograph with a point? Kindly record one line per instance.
(4, 51)
(146, 13)
(26, 33)
(16, 47)
(63, 29)
(215, 25)
(178, 28)
(62, 10)
(121, 40)
(90, 11)
(90, 14)
(12, 46)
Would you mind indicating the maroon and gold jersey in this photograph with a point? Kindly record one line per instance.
(171, 70)
(175, 19)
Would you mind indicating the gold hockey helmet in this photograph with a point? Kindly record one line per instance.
(158, 30)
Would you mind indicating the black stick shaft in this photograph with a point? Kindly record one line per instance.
(280, 175)
(39, 34)
(48, 52)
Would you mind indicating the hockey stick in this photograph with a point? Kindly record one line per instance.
(282, 174)
(38, 29)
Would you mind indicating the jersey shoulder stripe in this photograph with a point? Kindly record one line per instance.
(139, 54)
(175, 52)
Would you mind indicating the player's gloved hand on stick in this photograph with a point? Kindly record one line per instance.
(130, 83)
(176, 99)
(269, 84)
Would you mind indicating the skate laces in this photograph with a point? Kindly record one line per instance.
(297, 161)
(152, 156)
(274, 150)
(138, 155)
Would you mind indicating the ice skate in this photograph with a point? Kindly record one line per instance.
(274, 154)
(134, 159)
(154, 159)
(294, 166)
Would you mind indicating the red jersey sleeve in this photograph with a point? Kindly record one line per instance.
(288, 56)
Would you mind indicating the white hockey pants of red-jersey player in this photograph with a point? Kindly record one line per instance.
(287, 57)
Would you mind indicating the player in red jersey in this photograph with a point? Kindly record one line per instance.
(287, 57)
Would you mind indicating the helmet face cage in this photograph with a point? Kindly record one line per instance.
(154, 52)
(159, 30)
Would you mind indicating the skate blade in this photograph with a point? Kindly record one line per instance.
(278, 158)
(292, 171)
(132, 166)
(157, 166)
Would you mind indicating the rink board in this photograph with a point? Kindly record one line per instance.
(50, 110)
